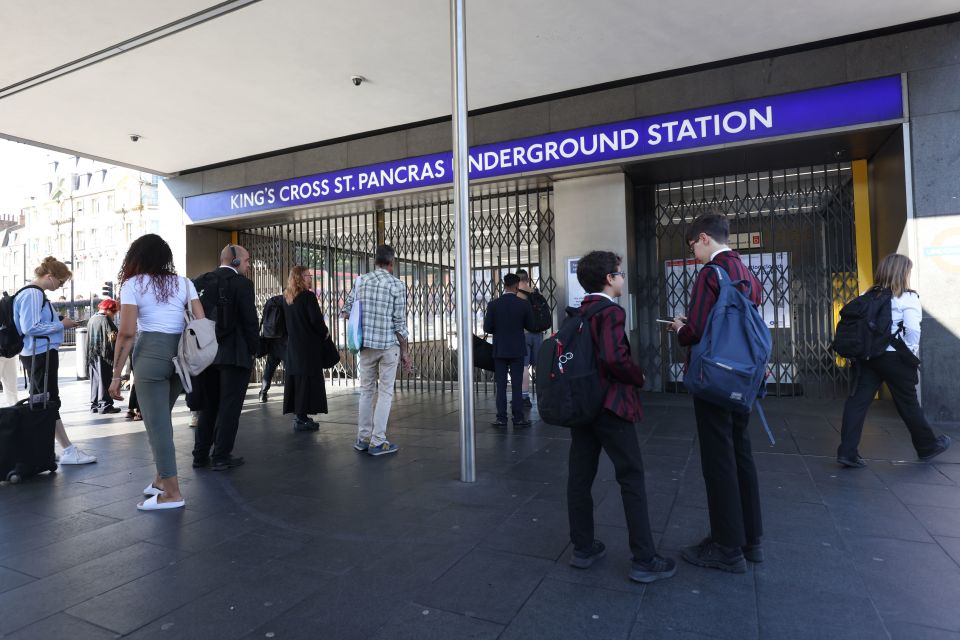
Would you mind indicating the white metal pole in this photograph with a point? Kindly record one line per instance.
(461, 211)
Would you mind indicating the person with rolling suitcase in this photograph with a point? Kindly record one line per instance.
(27, 431)
(30, 316)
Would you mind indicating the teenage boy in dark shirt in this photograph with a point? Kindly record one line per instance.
(614, 432)
(726, 459)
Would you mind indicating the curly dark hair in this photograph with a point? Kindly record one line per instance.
(593, 269)
(150, 255)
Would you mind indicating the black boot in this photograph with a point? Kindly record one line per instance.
(263, 393)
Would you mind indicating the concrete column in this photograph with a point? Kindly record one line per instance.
(595, 212)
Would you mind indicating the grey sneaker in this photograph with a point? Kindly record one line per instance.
(943, 443)
(656, 568)
(711, 555)
(585, 559)
(382, 449)
(361, 445)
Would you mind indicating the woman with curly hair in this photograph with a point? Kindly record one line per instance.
(152, 303)
(42, 334)
(303, 388)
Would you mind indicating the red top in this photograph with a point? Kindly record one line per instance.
(706, 290)
(621, 376)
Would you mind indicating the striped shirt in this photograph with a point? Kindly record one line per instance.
(384, 300)
(621, 376)
(706, 290)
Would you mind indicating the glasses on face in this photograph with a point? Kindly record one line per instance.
(617, 273)
(692, 244)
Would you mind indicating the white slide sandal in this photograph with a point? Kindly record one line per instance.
(151, 504)
(152, 490)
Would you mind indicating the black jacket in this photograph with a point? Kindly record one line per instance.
(506, 319)
(306, 330)
(239, 346)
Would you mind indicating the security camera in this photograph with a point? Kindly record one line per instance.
(357, 80)
(134, 137)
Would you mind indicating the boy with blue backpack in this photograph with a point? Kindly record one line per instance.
(726, 459)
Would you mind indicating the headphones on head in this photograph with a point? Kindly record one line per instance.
(236, 259)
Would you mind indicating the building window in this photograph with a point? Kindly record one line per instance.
(110, 207)
(155, 226)
(78, 208)
(81, 240)
(96, 206)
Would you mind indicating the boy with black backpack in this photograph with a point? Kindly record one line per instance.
(613, 429)
(726, 459)
(542, 321)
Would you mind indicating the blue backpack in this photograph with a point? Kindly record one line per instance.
(728, 367)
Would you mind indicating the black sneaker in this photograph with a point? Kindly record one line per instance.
(585, 559)
(201, 463)
(522, 422)
(527, 402)
(110, 410)
(711, 555)
(229, 463)
(499, 422)
(943, 443)
(94, 409)
(305, 425)
(753, 551)
(855, 462)
(263, 396)
(656, 568)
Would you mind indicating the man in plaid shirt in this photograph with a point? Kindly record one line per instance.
(383, 299)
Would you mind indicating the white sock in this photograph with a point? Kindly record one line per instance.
(70, 448)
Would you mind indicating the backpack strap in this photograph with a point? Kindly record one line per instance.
(727, 282)
(596, 308)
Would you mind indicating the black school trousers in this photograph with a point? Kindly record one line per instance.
(618, 438)
(730, 475)
(901, 378)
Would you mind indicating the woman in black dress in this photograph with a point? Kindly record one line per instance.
(304, 392)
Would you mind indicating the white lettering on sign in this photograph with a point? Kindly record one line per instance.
(713, 125)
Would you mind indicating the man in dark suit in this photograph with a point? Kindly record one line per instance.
(613, 431)
(229, 295)
(726, 459)
(507, 317)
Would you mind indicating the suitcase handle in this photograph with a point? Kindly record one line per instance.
(36, 398)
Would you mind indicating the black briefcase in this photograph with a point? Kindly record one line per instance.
(482, 354)
(27, 435)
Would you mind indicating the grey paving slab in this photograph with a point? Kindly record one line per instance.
(938, 521)
(932, 577)
(951, 545)
(563, 610)
(787, 612)
(865, 512)
(41, 598)
(932, 495)
(62, 625)
(419, 622)
(51, 532)
(806, 567)
(486, 584)
(703, 601)
(907, 631)
(235, 609)
(10, 579)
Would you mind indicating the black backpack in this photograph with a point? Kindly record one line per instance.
(272, 323)
(863, 331)
(542, 318)
(11, 340)
(569, 390)
(217, 306)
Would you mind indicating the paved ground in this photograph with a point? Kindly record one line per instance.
(313, 540)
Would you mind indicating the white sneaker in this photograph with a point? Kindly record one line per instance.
(74, 455)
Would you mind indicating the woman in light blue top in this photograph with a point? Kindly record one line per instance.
(42, 333)
(897, 367)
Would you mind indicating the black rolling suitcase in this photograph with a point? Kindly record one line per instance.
(27, 435)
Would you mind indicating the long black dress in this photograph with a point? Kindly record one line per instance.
(304, 391)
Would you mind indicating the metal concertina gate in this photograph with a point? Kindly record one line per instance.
(509, 230)
(795, 229)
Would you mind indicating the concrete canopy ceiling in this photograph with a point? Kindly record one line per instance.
(275, 74)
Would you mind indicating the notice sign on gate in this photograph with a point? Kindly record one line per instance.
(771, 269)
(846, 105)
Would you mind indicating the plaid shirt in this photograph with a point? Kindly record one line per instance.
(384, 299)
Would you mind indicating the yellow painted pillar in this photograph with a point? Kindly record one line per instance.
(234, 235)
(861, 213)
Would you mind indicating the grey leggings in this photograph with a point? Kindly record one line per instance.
(158, 386)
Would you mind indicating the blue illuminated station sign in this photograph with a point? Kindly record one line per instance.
(856, 103)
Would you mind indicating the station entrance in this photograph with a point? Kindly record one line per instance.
(795, 229)
(510, 228)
